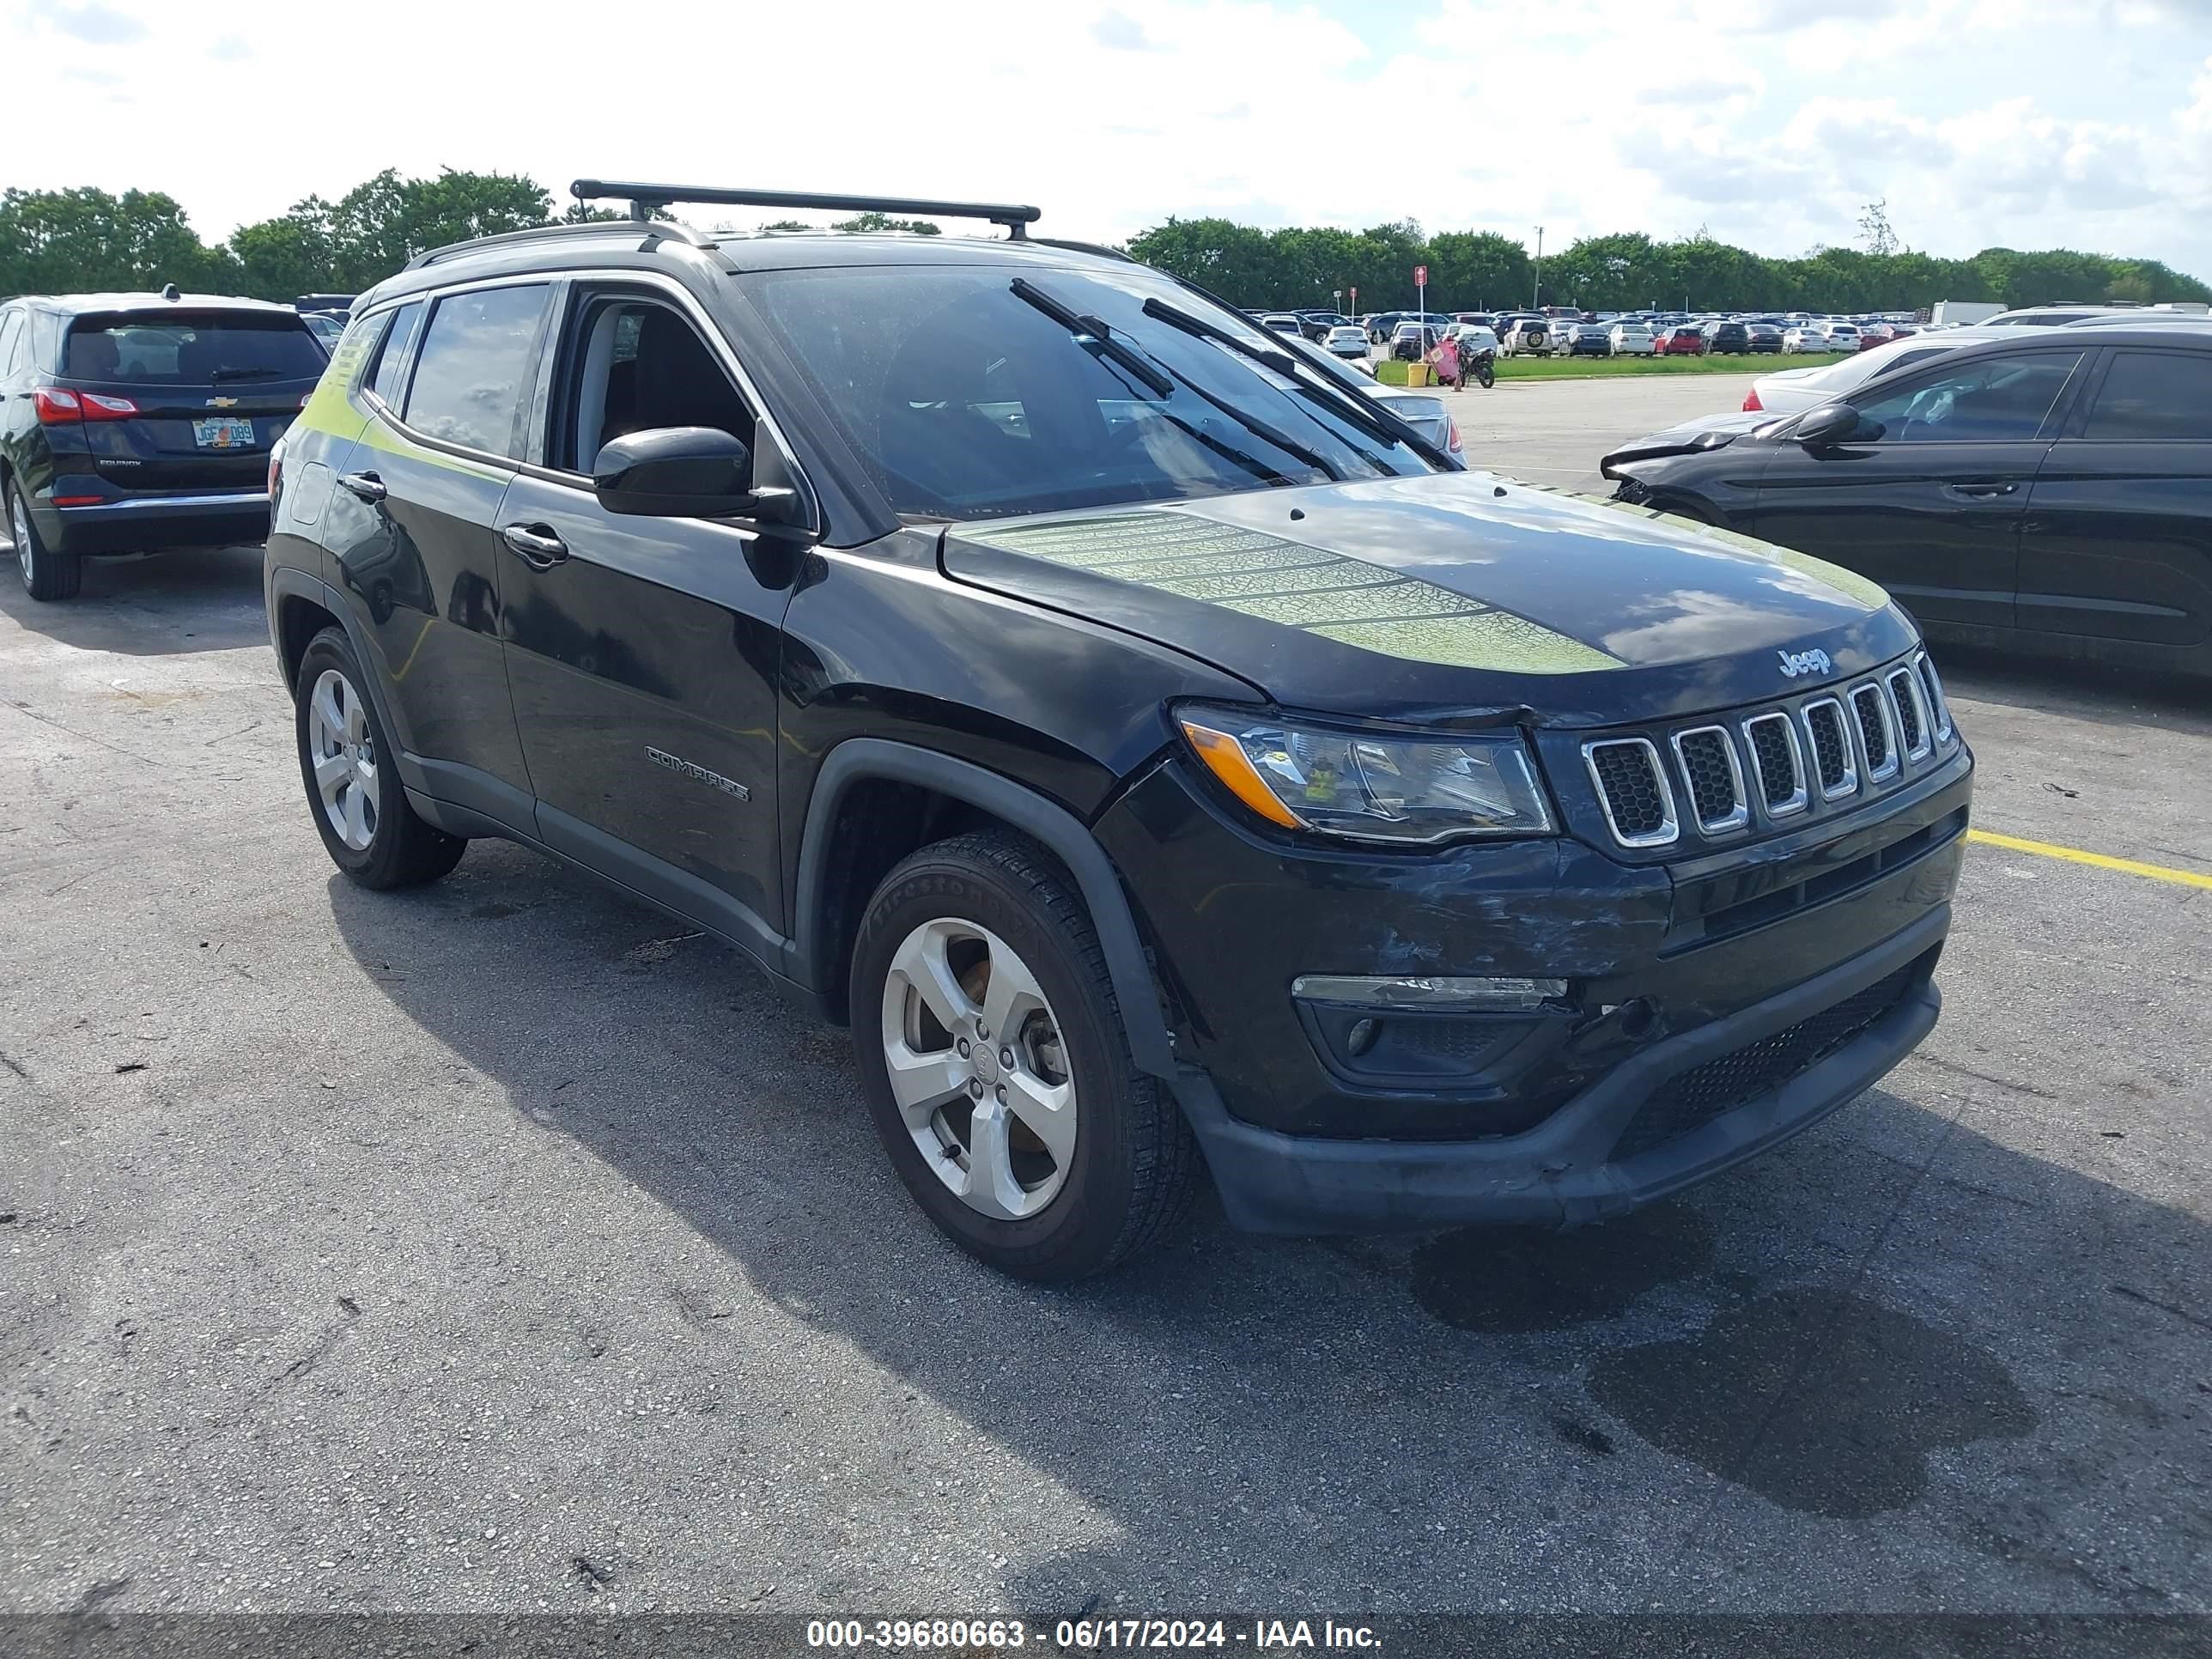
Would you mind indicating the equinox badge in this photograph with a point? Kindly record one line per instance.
(1794, 663)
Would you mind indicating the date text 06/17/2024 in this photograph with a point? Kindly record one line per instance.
(1091, 1635)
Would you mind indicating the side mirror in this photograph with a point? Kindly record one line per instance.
(686, 472)
(1831, 423)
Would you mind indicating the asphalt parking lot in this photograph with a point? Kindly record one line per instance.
(503, 1246)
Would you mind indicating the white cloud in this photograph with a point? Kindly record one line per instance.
(88, 21)
(1981, 121)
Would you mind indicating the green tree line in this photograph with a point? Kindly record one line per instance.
(88, 241)
(1481, 270)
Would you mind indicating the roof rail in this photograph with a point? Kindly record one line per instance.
(1098, 248)
(655, 229)
(647, 199)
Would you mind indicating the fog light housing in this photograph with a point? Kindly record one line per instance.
(1457, 993)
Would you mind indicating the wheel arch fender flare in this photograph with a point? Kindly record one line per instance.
(288, 582)
(1060, 832)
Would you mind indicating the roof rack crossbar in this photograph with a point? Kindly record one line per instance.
(646, 200)
(655, 228)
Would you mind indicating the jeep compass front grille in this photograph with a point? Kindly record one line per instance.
(1809, 757)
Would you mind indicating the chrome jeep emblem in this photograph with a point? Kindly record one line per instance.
(1794, 663)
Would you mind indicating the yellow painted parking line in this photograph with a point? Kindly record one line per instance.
(2101, 860)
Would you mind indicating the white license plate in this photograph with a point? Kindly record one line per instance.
(223, 432)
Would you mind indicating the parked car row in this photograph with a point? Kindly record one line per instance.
(1563, 331)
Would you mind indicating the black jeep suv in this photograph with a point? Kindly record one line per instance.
(1165, 761)
(134, 422)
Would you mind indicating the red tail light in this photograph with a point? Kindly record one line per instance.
(56, 407)
(1452, 434)
(1751, 400)
(99, 406)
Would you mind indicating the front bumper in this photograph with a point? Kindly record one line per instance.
(1571, 1168)
(137, 524)
(1530, 1116)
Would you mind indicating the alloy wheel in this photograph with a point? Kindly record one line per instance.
(341, 750)
(979, 1068)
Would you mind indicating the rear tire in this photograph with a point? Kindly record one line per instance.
(985, 927)
(46, 575)
(347, 762)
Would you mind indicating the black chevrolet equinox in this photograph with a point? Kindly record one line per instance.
(1167, 763)
(137, 422)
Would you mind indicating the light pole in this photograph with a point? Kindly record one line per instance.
(1536, 298)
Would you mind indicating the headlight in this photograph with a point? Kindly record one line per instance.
(1371, 785)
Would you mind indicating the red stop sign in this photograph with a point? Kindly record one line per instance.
(1420, 275)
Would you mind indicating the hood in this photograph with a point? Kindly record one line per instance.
(1454, 594)
(1706, 432)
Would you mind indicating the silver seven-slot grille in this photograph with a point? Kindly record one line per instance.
(1771, 763)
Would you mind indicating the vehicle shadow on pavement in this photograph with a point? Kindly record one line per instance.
(206, 600)
(1894, 1363)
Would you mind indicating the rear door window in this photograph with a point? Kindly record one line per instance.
(11, 338)
(2154, 397)
(471, 372)
(168, 348)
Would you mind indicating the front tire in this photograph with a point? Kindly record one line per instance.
(995, 1064)
(46, 575)
(346, 761)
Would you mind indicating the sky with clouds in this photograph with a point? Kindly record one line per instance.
(2020, 122)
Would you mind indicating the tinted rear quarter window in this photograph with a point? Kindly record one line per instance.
(467, 377)
(46, 338)
(169, 348)
(2154, 397)
(387, 379)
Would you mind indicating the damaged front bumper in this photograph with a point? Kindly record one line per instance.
(1679, 1048)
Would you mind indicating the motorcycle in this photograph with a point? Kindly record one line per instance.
(1480, 365)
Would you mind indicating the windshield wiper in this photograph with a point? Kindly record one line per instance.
(1377, 423)
(222, 374)
(1161, 379)
(1097, 332)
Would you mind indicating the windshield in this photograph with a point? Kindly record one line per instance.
(963, 399)
(169, 348)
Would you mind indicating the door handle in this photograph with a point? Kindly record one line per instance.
(1982, 491)
(540, 550)
(366, 486)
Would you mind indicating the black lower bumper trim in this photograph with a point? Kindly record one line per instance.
(1565, 1171)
